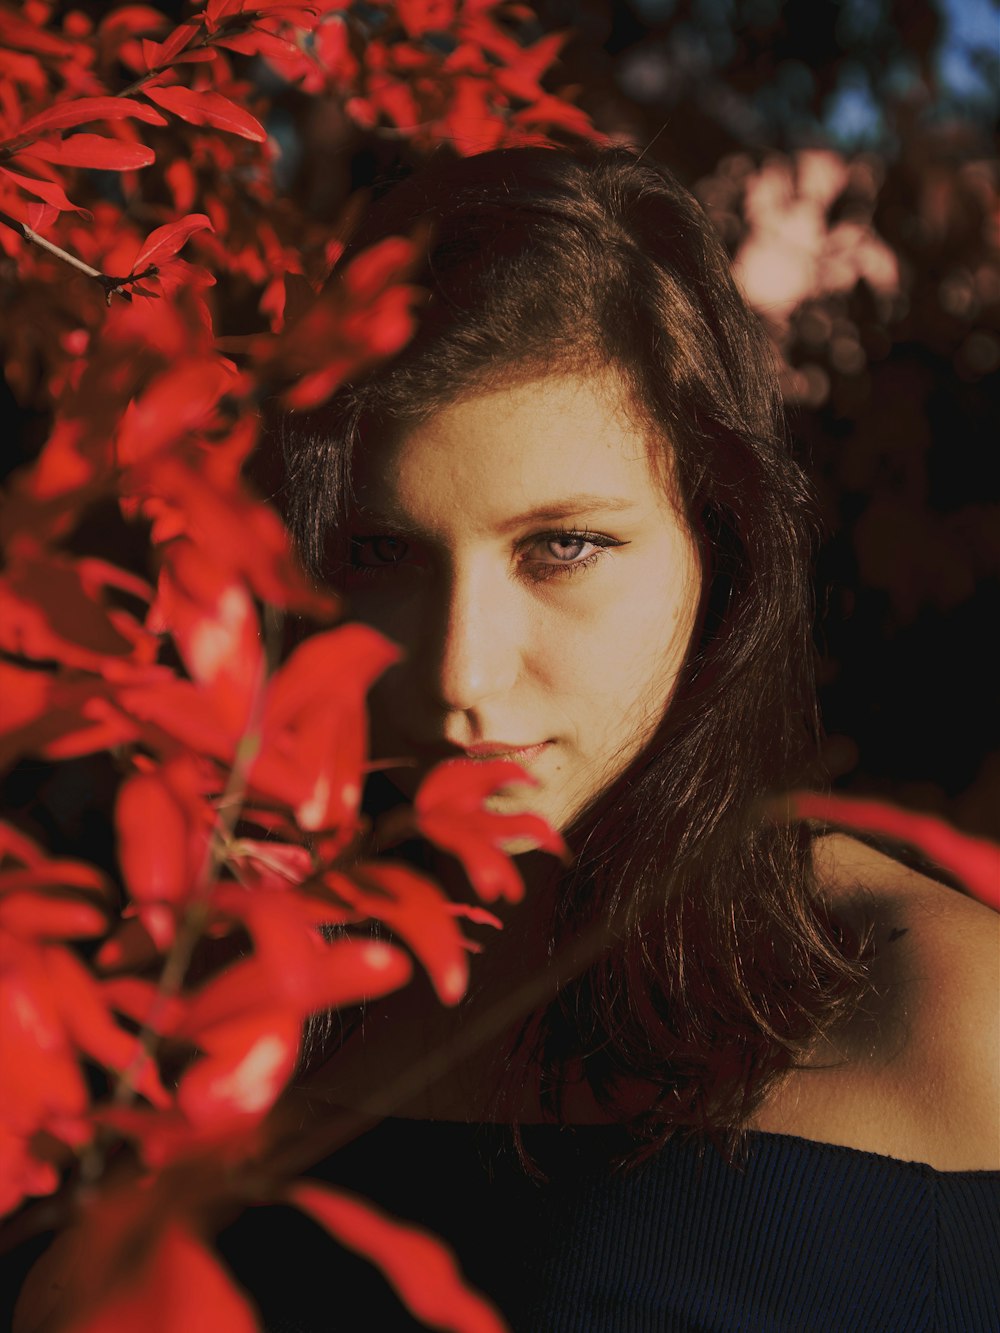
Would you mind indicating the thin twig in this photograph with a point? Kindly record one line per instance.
(29, 234)
(111, 286)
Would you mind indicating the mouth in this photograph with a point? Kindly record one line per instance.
(518, 754)
(481, 752)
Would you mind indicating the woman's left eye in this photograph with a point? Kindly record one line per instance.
(567, 550)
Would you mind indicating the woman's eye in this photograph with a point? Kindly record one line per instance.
(372, 555)
(567, 552)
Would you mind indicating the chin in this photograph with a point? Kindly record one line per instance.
(518, 846)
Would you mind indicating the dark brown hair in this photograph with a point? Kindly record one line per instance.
(724, 966)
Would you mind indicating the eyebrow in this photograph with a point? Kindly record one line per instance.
(549, 511)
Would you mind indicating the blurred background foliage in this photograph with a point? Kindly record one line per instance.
(845, 150)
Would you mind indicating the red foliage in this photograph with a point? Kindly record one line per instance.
(237, 816)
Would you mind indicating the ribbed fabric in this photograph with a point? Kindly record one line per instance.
(802, 1238)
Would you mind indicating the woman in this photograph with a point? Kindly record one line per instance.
(570, 502)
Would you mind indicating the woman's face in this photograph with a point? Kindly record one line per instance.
(542, 586)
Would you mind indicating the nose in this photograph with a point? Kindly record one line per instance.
(471, 646)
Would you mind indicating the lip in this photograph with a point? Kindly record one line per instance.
(482, 750)
(504, 750)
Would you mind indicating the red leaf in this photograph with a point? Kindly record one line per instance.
(165, 241)
(40, 1081)
(181, 711)
(183, 183)
(448, 810)
(131, 19)
(215, 626)
(526, 66)
(159, 55)
(380, 266)
(36, 916)
(286, 942)
(975, 861)
(417, 911)
(345, 972)
(19, 33)
(181, 1286)
(166, 1138)
(96, 151)
(48, 191)
(471, 123)
(40, 216)
(217, 10)
(80, 110)
(35, 868)
(52, 608)
(248, 1063)
(341, 663)
(152, 840)
(175, 405)
(547, 110)
(421, 1269)
(207, 108)
(314, 734)
(163, 835)
(271, 865)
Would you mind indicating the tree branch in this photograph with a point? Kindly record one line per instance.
(111, 286)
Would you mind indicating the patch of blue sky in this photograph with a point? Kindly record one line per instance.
(852, 116)
(967, 68)
(969, 57)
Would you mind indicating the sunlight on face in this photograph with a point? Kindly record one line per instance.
(543, 587)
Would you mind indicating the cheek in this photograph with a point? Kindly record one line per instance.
(592, 700)
(647, 633)
(645, 650)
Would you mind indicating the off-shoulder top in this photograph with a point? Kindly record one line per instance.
(798, 1237)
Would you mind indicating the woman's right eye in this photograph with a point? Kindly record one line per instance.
(371, 556)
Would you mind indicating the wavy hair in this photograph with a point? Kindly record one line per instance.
(724, 965)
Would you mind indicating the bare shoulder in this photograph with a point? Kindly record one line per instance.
(925, 1045)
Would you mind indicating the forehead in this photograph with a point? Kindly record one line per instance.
(497, 453)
